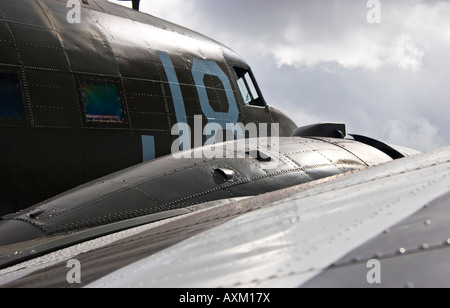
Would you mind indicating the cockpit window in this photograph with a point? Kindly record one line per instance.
(101, 102)
(11, 105)
(248, 88)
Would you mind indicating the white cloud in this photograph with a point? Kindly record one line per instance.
(407, 54)
(401, 39)
(417, 133)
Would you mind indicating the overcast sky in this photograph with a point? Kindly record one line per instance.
(323, 61)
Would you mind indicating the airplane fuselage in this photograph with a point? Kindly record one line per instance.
(82, 100)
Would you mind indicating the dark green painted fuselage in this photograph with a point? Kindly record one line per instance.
(55, 77)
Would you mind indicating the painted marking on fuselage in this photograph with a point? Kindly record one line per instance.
(200, 69)
(175, 89)
(148, 148)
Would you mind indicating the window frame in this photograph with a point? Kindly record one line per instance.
(83, 108)
(25, 120)
(21, 104)
(242, 73)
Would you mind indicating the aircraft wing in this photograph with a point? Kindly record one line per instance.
(320, 234)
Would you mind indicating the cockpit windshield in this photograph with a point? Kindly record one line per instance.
(248, 88)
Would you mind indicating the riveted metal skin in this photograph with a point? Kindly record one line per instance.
(54, 145)
(169, 183)
(155, 74)
(413, 253)
(283, 238)
(296, 234)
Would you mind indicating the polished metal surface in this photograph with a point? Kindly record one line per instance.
(169, 183)
(89, 156)
(283, 238)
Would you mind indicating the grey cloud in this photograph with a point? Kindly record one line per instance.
(322, 61)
